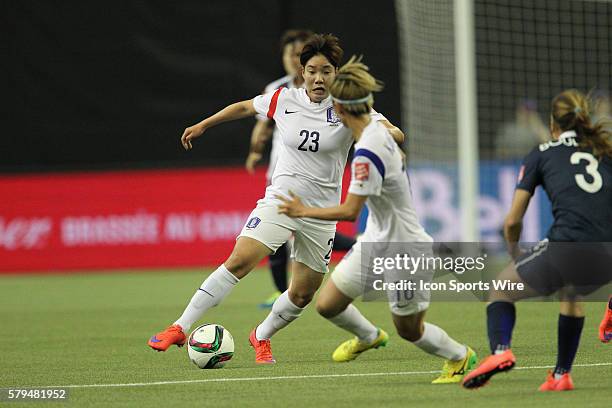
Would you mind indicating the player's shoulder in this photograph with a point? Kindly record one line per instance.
(375, 137)
(280, 82)
(375, 143)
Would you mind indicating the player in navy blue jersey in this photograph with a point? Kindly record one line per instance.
(575, 170)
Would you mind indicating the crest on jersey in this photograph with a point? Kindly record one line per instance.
(331, 116)
(362, 171)
(253, 222)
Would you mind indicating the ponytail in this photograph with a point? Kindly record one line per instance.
(571, 110)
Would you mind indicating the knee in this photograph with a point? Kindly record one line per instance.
(238, 265)
(300, 298)
(327, 310)
(411, 332)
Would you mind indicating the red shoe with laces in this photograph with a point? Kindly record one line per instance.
(172, 335)
(564, 383)
(605, 327)
(495, 363)
(263, 350)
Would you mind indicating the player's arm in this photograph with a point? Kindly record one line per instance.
(513, 224)
(396, 133)
(529, 178)
(234, 111)
(349, 210)
(262, 132)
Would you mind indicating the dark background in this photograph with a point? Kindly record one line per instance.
(536, 49)
(112, 84)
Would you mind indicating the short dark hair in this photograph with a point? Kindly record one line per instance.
(293, 35)
(327, 45)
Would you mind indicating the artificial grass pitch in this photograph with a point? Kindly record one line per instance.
(91, 329)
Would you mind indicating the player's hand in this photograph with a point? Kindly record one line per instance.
(292, 207)
(252, 159)
(191, 133)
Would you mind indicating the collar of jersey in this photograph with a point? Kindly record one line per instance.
(322, 103)
(569, 133)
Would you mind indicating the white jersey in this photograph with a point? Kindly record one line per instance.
(313, 150)
(377, 171)
(288, 81)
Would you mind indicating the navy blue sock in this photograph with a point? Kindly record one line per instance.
(569, 331)
(278, 265)
(500, 323)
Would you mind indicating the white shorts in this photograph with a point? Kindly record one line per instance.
(350, 278)
(312, 243)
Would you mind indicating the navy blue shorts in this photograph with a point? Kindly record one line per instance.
(582, 267)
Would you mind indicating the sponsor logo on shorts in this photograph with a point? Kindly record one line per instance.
(362, 171)
(253, 222)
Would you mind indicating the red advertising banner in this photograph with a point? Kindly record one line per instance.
(135, 219)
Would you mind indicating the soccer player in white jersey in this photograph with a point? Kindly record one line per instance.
(292, 42)
(311, 161)
(378, 178)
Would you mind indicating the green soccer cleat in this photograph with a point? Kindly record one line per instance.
(453, 371)
(350, 349)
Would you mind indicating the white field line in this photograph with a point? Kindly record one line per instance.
(286, 377)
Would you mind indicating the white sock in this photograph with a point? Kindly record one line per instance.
(435, 341)
(283, 312)
(353, 321)
(211, 293)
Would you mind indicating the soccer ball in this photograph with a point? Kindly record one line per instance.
(210, 346)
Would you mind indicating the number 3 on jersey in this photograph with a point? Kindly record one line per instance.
(313, 136)
(591, 169)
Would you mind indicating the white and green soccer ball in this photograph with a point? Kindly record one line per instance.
(210, 346)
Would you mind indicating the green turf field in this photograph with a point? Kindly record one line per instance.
(92, 330)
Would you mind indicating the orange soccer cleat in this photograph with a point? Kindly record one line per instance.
(495, 363)
(263, 350)
(564, 383)
(605, 327)
(172, 335)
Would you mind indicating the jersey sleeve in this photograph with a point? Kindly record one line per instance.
(266, 104)
(529, 174)
(367, 173)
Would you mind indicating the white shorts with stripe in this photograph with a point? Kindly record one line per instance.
(350, 280)
(312, 243)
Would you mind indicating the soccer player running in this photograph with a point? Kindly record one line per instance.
(575, 170)
(378, 179)
(292, 43)
(311, 162)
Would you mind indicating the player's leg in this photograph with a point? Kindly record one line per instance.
(569, 330)
(288, 307)
(246, 255)
(312, 246)
(337, 307)
(335, 304)
(409, 321)
(537, 279)
(264, 232)
(278, 267)
(605, 327)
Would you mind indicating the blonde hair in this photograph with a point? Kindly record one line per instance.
(353, 82)
(571, 110)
